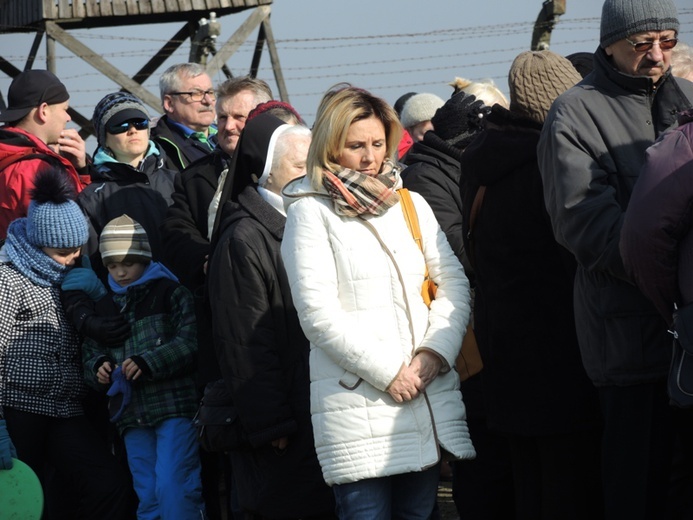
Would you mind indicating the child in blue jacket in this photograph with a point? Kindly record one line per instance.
(151, 373)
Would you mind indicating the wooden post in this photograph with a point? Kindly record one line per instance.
(95, 60)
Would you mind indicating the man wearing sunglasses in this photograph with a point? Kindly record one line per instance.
(186, 131)
(590, 153)
(34, 137)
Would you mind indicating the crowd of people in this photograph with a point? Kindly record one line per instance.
(226, 247)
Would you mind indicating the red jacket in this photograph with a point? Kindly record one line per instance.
(17, 179)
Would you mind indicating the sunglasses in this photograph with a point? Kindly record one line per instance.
(139, 124)
(645, 46)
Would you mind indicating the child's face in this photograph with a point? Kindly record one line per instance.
(125, 273)
(63, 255)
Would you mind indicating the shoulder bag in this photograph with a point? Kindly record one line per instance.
(468, 362)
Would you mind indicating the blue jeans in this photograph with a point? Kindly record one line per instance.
(410, 496)
(165, 466)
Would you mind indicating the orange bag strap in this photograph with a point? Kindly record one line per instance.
(412, 219)
(428, 290)
(410, 216)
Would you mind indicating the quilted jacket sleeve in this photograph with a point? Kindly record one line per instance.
(658, 219)
(450, 311)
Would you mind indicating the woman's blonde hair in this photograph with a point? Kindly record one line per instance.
(338, 109)
(485, 90)
(682, 61)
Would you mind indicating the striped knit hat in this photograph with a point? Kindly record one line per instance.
(116, 108)
(124, 240)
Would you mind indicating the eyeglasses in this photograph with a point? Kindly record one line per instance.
(139, 124)
(645, 46)
(196, 95)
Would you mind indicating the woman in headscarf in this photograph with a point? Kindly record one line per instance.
(262, 352)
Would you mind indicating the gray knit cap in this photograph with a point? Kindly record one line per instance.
(621, 18)
(420, 108)
(116, 108)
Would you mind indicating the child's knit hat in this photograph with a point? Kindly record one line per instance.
(54, 219)
(124, 240)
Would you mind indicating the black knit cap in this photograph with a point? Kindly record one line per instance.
(459, 120)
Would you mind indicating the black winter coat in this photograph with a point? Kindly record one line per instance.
(180, 151)
(534, 382)
(433, 171)
(117, 188)
(263, 356)
(186, 247)
(184, 230)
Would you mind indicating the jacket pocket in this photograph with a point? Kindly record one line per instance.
(635, 338)
(29, 375)
(350, 380)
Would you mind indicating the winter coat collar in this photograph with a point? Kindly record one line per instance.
(109, 169)
(251, 204)
(438, 144)
(516, 135)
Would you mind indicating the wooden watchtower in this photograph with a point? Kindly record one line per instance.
(55, 18)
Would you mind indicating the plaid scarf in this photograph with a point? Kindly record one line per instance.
(354, 193)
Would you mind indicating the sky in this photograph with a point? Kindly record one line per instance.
(389, 47)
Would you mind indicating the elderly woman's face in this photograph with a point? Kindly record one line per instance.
(291, 165)
(365, 146)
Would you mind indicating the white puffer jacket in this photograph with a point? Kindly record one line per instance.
(354, 298)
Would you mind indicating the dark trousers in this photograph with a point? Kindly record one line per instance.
(482, 489)
(69, 452)
(557, 476)
(636, 450)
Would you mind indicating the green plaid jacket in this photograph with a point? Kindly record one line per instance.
(164, 335)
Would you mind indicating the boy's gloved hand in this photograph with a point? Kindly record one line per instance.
(84, 279)
(7, 450)
(120, 394)
(106, 330)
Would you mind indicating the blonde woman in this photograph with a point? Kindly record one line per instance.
(385, 402)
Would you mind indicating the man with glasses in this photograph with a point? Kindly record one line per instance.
(186, 242)
(590, 153)
(34, 137)
(186, 131)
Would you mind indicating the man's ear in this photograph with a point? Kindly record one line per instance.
(42, 112)
(167, 104)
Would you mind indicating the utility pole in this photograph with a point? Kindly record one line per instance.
(203, 43)
(546, 21)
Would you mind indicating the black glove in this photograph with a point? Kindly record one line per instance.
(109, 330)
